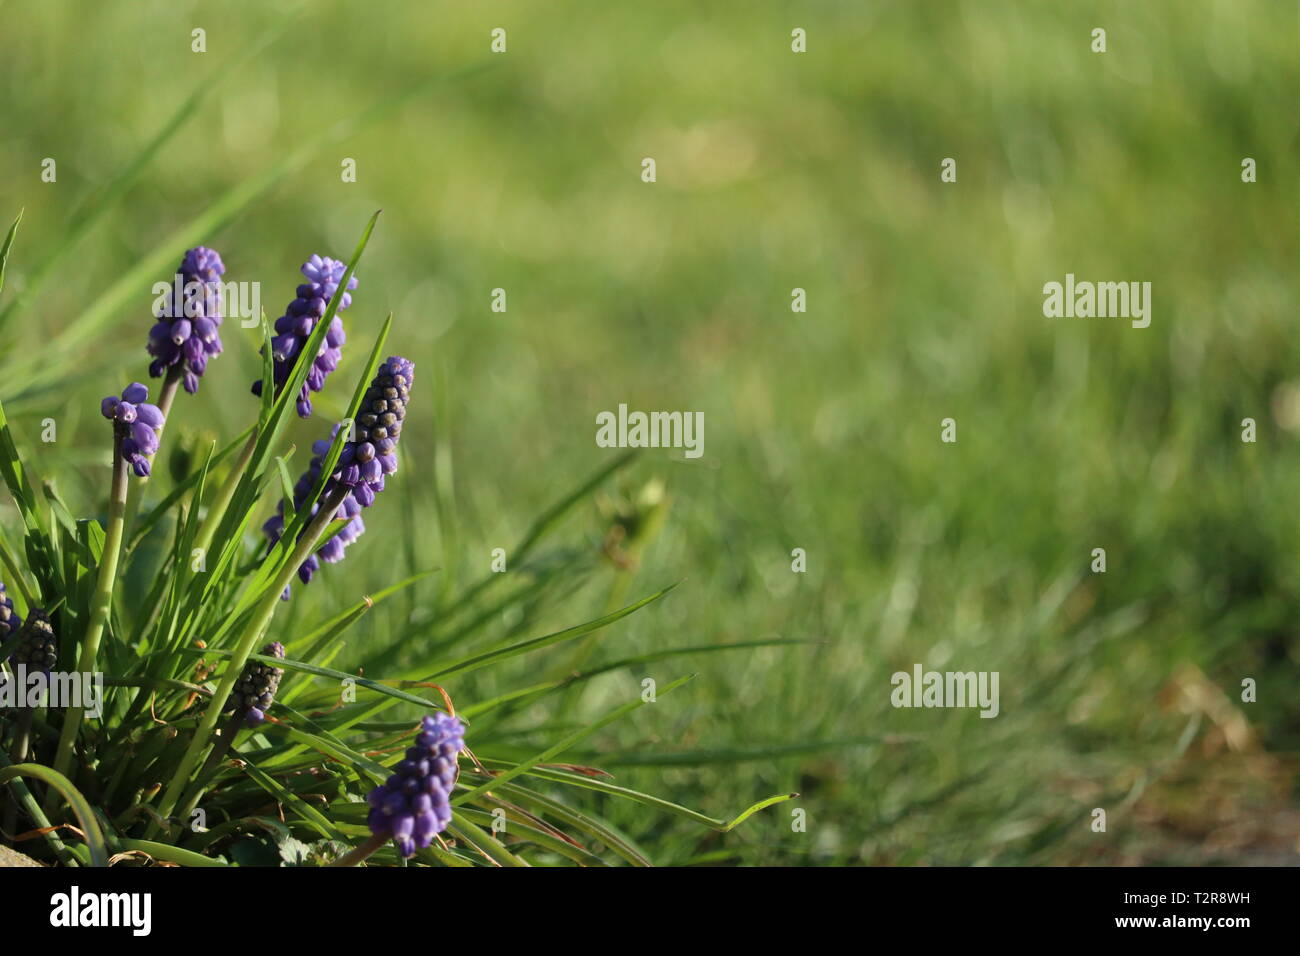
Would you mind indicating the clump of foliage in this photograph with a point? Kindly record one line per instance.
(203, 752)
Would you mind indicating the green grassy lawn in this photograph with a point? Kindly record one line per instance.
(775, 170)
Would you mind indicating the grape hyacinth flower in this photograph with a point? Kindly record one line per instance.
(365, 462)
(38, 648)
(362, 467)
(137, 423)
(187, 333)
(255, 690)
(295, 327)
(415, 802)
(10, 620)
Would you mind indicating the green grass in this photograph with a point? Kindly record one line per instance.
(776, 171)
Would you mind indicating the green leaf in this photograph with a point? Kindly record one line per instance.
(565, 743)
(8, 244)
(86, 818)
(189, 108)
(595, 783)
(146, 524)
(467, 664)
(313, 817)
(598, 830)
(464, 830)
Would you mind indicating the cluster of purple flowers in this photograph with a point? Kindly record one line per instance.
(10, 621)
(295, 327)
(414, 803)
(255, 690)
(137, 422)
(363, 463)
(187, 333)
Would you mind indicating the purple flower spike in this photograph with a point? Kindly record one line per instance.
(363, 464)
(255, 690)
(414, 804)
(137, 424)
(299, 321)
(10, 620)
(186, 334)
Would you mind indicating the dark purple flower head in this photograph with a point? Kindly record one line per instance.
(38, 648)
(138, 424)
(299, 320)
(415, 802)
(365, 461)
(9, 618)
(187, 333)
(255, 690)
(363, 464)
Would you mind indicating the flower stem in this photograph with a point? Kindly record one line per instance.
(217, 509)
(215, 756)
(257, 626)
(22, 737)
(357, 855)
(100, 606)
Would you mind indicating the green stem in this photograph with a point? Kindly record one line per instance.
(22, 737)
(100, 606)
(209, 768)
(353, 857)
(58, 784)
(217, 510)
(23, 795)
(261, 619)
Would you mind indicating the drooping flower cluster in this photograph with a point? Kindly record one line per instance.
(138, 424)
(255, 690)
(10, 620)
(187, 333)
(362, 466)
(295, 327)
(38, 648)
(415, 802)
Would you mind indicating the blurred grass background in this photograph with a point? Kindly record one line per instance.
(775, 170)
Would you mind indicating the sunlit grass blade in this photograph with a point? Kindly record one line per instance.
(597, 830)
(4, 249)
(465, 665)
(565, 743)
(101, 203)
(595, 783)
(483, 841)
(57, 782)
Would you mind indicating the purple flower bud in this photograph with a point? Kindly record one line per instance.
(413, 804)
(145, 438)
(299, 321)
(137, 425)
(189, 321)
